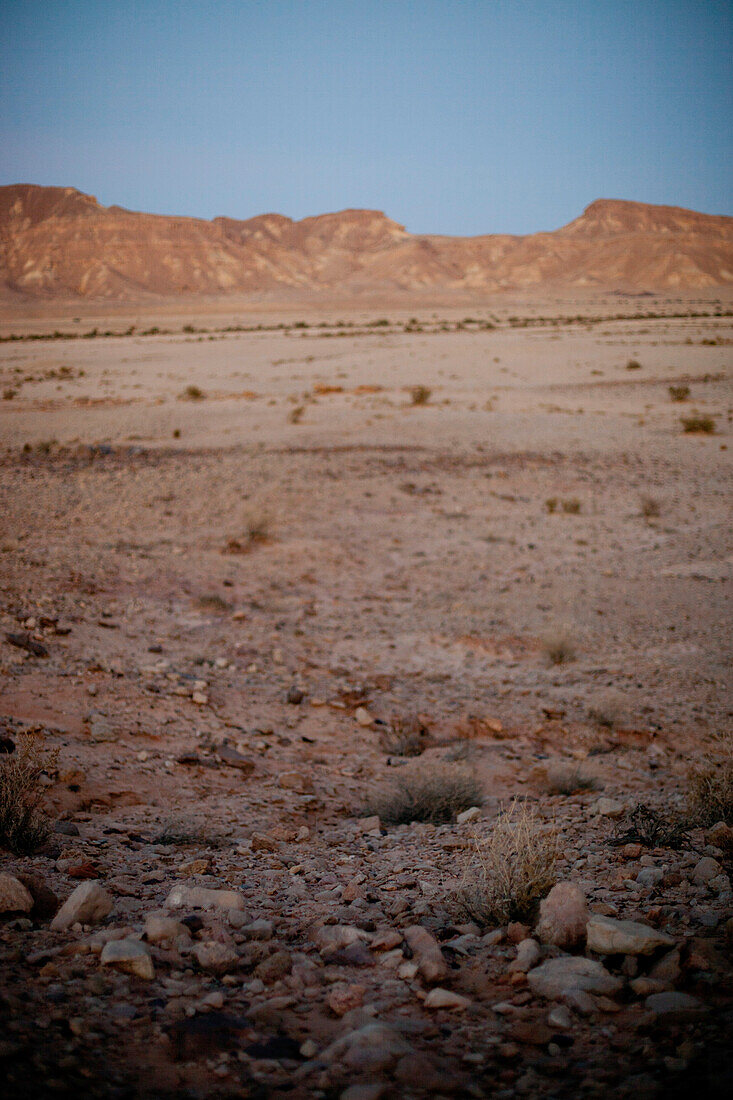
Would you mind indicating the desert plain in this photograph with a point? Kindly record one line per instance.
(251, 544)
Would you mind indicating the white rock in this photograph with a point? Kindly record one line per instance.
(88, 904)
(445, 998)
(214, 957)
(560, 1017)
(201, 897)
(367, 1050)
(130, 956)
(473, 813)
(335, 937)
(428, 956)
(528, 955)
(557, 976)
(363, 717)
(609, 807)
(14, 896)
(607, 936)
(160, 929)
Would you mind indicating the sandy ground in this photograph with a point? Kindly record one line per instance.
(417, 558)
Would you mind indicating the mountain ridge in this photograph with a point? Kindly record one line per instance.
(58, 242)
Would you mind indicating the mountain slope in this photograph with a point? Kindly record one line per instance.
(59, 242)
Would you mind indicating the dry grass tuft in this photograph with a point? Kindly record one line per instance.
(193, 393)
(258, 527)
(23, 825)
(633, 364)
(405, 736)
(569, 779)
(296, 415)
(436, 794)
(559, 645)
(607, 710)
(213, 602)
(679, 393)
(650, 507)
(700, 425)
(710, 785)
(510, 870)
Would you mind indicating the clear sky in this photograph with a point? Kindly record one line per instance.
(452, 116)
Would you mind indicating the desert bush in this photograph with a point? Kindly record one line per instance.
(435, 794)
(607, 709)
(558, 645)
(193, 393)
(698, 424)
(258, 526)
(404, 736)
(679, 393)
(571, 506)
(23, 825)
(710, 785)
(509, 871)
(551, 504)
(420, 395)
(644, 825)
(633, 364)
(650, 507)
(568, 779)
(215, 603)
(296, 415)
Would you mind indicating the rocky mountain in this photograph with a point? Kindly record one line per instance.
(56, 242)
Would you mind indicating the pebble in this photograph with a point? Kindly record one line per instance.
(675, 1007)
(371, 1049)
(445, 998)
(473, 813)
(608, 807)
(706, 870)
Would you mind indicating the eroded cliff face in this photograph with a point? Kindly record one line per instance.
(59, 242)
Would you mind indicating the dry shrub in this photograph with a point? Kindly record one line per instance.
(644, 825)
(436, 794)
(258, 526)
(405, 736)
(193, 393)
(559, 646)
(650, 507)
(420, 395)
(23, 825)
(510, 870)
(214, 603)
(296, 415)
(679, 393)
(570, 778)
(571, 506)
(710, 785)
(607, 710)
(697, 424)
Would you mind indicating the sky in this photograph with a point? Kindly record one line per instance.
(451, 116)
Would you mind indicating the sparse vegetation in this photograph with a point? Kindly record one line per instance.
(571, 506)
(296, 415)
(420, 395)
(405, 736)
(433, 794)
(569, 779)
(257, 530)
(633, 364)
(551, 504)
(698, 424)
(607, 709)
(185, 834)
(24, 827)
(510, 870)
(679, 393)
(193, 393)
(646, 826)
(710, 785)
(213, 602)
(559, 646)
(650, 507)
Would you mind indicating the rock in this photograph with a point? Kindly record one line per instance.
(14, 896)
(721, 835)
(295, 696)
(201, 897)
(66, 828)
(258, 930)
(608, 807)
(667, 969)
(160, 929)
(215, 958)
(557, 976)
(342, 998)
(429, 958)
(517, 932)
(560, 1017)
(528, 955)
(369, 1050)
(607, 936)
(563, 916)
(675, 1007)
(580, 1001)
(433, 1080)
(650, 877)
(130, 956)
(45, 902)
(643, 987)
(232, 759)
(88, 904)
(371, 1090)
(473, 813)
(262, 843)
(445, 998)
(363, 717)
(294, 781)
(705, 870)
(372, 826)
(273, 968)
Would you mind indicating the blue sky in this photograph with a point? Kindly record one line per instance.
(452, 116)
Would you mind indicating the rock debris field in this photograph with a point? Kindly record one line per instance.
(376, 693)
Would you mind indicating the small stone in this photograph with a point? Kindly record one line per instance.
(650, 877)
(429, 958)
(607, 936)
(473, 813)
(45, 902)
(517, 932)
(262, 843)
(130, 956)
(14, 896)
(554, 978)
(295, 696)
(200, 698)
(563, 916)
(370, 1090)
(294, 781)
(675, 1007)
(215, 958)
(643, 987)
(371, 1049)
(386, 941)
(445, 998)
(668, 968)
(201, 897)
(335, 937)
(560, 1017)
(159, 929)
(273, 968)
(343, 998)
(608, 807)
(372, 826)
(528, 955)
(258, 930)
(88, 904)
(705, 870)
(363, 717)
(721, 835)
